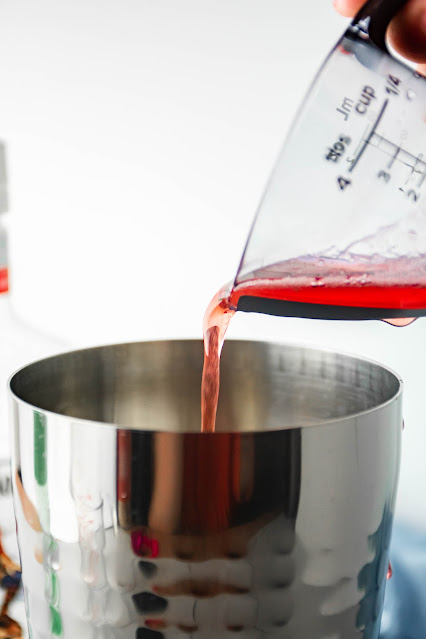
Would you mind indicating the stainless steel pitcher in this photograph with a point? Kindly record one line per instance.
(134, 524)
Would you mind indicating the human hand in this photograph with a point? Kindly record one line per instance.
(407, 31)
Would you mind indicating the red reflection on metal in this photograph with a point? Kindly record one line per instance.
(144, 546)
(156, 624)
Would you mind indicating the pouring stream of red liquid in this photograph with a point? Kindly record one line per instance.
(376, 292)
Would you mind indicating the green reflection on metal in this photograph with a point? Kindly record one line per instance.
(40, 449)
(56, 622)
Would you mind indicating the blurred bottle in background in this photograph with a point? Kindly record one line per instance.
(19, 345)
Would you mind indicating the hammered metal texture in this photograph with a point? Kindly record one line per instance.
(134, 525)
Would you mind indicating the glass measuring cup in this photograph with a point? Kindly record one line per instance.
(341, 229)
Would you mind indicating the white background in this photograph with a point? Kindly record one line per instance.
(140, 135)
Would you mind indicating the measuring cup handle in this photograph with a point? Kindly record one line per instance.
(380, 13)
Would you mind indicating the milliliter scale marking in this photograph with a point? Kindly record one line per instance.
(370, 135)
(371, 138)
(397, 153)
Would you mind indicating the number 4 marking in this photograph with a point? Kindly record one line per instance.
(343, 183)
(392, 84)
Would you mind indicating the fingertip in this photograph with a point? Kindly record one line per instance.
(347, 8)
(407, 31)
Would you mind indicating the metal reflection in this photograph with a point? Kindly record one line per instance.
(275, 526)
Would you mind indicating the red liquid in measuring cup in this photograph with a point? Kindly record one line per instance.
(337, 289)
(393, 290)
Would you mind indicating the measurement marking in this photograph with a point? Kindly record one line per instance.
(422, 179)
(381, 139)
(416, 164)
(393, 158)
(370, 135)
(418, 159)
(361, 140)
(413, 168)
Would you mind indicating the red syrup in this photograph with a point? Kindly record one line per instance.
(336, 289)
(392, 290)
(216, 322)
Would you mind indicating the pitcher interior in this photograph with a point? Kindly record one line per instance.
(156, 385)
